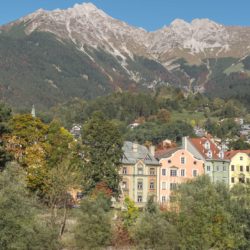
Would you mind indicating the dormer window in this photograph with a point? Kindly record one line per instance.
(207, 145)
(209, 154)
(221, 154)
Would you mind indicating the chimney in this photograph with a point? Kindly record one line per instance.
(184, 142)
(152, 150)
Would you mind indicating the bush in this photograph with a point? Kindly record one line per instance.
(94, 225)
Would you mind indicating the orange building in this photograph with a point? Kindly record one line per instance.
(177, 166)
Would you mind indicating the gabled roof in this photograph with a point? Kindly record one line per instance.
(142, 153)
(199, 143)
(165, 153)
(230, 154)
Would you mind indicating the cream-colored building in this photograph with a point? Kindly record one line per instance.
(239, 169)
(140, 173)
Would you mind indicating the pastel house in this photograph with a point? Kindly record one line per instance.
(177, 166)
(239, 170)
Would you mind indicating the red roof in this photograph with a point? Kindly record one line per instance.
(230, 154)
(199, 144)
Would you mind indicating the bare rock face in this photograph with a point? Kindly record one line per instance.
(182, 54)
(85, 24)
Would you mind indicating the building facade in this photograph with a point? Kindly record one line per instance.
(177, 166)
(239, 169)
(216, 165)
(139, 171)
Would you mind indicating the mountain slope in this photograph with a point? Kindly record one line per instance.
(51, 56)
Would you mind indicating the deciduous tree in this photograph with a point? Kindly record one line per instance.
(102, 147)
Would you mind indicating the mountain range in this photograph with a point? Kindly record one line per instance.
(49, 57)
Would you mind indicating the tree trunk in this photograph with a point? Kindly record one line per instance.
(64, 218)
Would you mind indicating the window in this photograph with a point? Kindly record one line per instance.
(182, 160)
(195, 173)
(163, 171)
(124, 170)
(241, 158)
(140, 171)
(224, 168)
(139, 198)
(207, 145)
(208, 168)
(173, 172)
(218, 168)
(139, 185)
(152, 171)
(152, 185)
(247, 168)
(232, 168)
(241, 168)
(169, 161)
(242, 180)
(163, 199)
(209, 154)
(248, 180)
(221, 154)
(124, 185)
(163, 185)
(195, 162)
(232, 179)
(182, 172)
(173, 186)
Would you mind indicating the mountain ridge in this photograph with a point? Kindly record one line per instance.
(182, 54)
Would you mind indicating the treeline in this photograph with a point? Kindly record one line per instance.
(164, 113)
(129, 106)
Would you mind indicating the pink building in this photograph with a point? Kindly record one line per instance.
(177, 166)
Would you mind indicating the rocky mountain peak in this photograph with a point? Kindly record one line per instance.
(85, 24)
(84, 9)
(178, 23)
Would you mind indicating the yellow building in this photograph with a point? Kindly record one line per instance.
(239, 169)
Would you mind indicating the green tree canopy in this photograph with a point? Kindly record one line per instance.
(93, 230)
(204, 220)
(20, 224)
(102, 147)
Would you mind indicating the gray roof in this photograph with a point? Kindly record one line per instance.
(165, 153)
(131, 156)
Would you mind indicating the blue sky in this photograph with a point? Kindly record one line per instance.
(149, 14)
